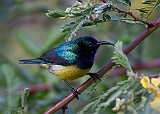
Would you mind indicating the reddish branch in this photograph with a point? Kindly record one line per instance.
(35, 88)
(146, 65)
(154, 76)
(106, 68)
(117, 71)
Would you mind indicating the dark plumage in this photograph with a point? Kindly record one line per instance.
(70, 60)
(80, 51)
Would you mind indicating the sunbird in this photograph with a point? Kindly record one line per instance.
(70, 60)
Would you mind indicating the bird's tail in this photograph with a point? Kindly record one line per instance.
(31, 61)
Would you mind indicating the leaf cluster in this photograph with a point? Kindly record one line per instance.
(21, 109)
(128, 94)
(86, 16)
(91, 13)
(10, 83)
(151, 4)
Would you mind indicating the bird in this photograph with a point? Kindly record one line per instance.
(70, 60)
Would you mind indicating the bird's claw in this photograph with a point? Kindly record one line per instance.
(75, 92)
(94, 76)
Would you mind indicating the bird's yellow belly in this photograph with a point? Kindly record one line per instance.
(68, 73)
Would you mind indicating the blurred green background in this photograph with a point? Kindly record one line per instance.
(26, 32)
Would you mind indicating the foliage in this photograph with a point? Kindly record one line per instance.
(154, 4)
(25, 32)
(125, 92)
(11, 83)
(20, 110)
(120, 58)
(89, 13)
(85, 11)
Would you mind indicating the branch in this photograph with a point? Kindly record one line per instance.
(154, 76)
(115, 72)
(146, 65)
(107, 67)
(150, 76)
(35, 88)
(119, 10)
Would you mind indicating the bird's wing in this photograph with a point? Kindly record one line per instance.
(60, 57)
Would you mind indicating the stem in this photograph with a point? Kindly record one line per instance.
(115, 72)
(107, 67)
(150, 76)
(119, 10)
(146, 65)
(154, 76)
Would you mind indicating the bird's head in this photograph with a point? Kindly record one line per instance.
(90, 44)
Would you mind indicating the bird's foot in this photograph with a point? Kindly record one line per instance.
(74, 91)
(94, 76)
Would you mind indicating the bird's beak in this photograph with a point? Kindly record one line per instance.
(104, 43)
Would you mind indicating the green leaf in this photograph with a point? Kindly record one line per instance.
(144, 10)
(6, 112)
(96, 84)
(75, 29)
(101, 8)
(113, 96)
(67, 27)
(56, 14)
(20, 110)
(8, 73)
(114, 18)
(120, 58)
(86, 108)
(143, 90)
(147, 107)
(24, 96)
(103, 98)
(109, 100)
(14, 111)
(149, 1)
(106, 17)
(122, 82)
(154, 8)
(96, 101)
(72, 25)
(157, 5)
(131, 21)
(125, 2)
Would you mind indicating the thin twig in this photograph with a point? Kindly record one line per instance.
(146, 65)
(107, 67)
(119, 10)
(154, 76)
(150, 76)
